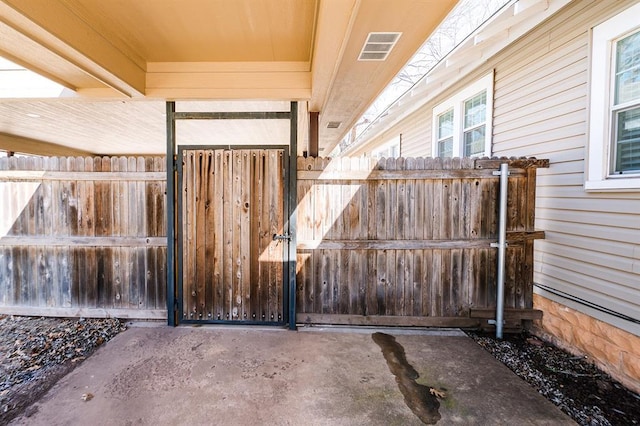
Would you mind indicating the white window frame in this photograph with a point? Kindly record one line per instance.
(457, 103)
(598, 176)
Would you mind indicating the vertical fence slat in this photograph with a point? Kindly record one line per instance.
(208, 177)
(244, 217)
(188, 200)
(427, 276)
(262, 292)
(256, 228)
(200, 179)
(236, 243)
(89, 287)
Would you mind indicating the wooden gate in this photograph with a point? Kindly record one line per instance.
(231, 211)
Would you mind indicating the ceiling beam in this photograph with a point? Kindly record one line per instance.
(22, 145)
(21, 50)
(228, 80)
(57, 29)
(333, 28)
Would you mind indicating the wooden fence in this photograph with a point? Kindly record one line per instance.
(408, 241)
(83, 236)
(396, 241)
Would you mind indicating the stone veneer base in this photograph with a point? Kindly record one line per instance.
(613, 350)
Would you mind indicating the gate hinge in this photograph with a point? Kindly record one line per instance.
(280, 237)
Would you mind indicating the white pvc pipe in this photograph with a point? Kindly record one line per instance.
(502, 245)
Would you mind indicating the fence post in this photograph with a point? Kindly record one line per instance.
(501, 245)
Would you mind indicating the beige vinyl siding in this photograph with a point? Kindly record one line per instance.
(592, 245)
(416, 136)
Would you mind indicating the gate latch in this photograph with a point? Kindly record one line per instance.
(281, 237)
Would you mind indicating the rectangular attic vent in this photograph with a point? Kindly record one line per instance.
(378, 46)
(333, 124)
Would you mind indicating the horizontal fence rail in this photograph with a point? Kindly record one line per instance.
(83, 236)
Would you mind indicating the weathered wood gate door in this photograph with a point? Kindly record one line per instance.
(231, 245)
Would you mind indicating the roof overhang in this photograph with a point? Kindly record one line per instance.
(220, 50)
(513, 21)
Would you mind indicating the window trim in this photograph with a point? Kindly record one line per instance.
(456, 102)
(599, 155)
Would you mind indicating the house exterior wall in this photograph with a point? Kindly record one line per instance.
(417, 127)
(415, 131)
(592, 246)
(416, 134)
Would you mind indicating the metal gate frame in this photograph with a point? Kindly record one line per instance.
(289, 289)
(180, 237)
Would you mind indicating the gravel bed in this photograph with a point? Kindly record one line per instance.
(36, 352)
(587, 394)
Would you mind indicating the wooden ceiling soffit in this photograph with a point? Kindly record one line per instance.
(335, 22)
(56, 34)
(228, 80)
(358, 83)
(9, 142)
(21, 50)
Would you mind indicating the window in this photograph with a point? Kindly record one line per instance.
(613, 161)
(390, 149)
(462, 124)
(445, 134)
(626, 105)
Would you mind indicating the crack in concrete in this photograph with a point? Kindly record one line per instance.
(418, 397)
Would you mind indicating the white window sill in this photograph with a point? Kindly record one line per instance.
(613, 184)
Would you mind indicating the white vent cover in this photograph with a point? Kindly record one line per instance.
(378, 46)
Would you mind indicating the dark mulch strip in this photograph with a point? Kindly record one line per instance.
(36, 352)
(587, 394)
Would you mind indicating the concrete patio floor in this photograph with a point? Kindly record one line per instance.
(255, 376)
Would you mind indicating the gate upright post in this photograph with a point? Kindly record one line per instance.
(293, 211)
(170, 207)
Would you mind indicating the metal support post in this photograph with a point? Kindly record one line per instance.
(501, 245)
